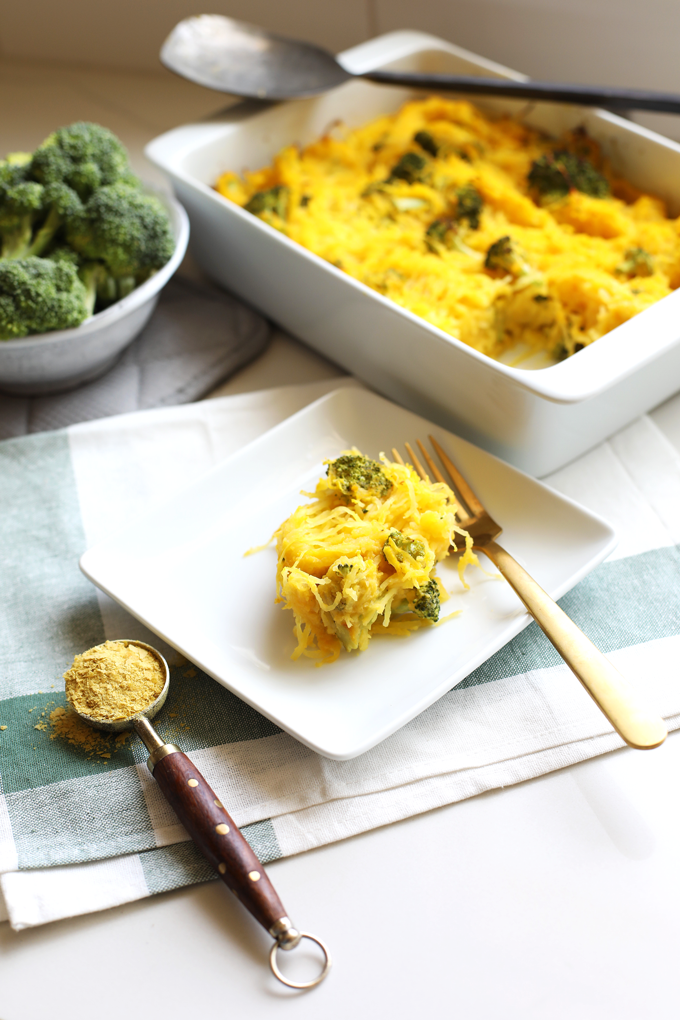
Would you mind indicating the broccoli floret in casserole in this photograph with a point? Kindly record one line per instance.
(273, 201)
(554, 174)
(440, 232)
(636, 262)
(426, 142)
(504, 256)
(427, 603)
(445, 233)
(411, 546)
(39, 295)
(409, 168)
(353, 471)
(469, 206)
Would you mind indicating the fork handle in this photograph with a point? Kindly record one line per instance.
(616, 698)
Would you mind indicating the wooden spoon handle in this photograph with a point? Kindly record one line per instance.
(218, 838)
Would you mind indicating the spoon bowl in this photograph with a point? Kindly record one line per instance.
(233, 56)
(121, 725)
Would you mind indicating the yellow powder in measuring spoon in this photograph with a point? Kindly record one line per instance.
(114, 681)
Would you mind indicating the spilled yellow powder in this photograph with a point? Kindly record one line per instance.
(66, 725)
(113, 681)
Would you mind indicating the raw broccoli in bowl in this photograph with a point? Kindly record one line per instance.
(38, 296)
(76, 200)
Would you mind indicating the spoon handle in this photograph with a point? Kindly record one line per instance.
(217, 837)
(546, 91)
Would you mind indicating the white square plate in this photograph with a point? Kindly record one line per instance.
(181, 570)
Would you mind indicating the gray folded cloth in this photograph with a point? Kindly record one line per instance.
(197, 336)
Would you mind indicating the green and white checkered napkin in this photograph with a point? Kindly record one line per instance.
(79, 834)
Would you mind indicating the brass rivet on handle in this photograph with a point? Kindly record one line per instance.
(192, 782)
(254, 876)
(222, 829)
(222, 868)
(217, 802)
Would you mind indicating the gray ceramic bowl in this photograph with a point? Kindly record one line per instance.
(49, 362)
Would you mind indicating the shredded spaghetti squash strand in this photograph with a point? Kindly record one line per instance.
(361, 557)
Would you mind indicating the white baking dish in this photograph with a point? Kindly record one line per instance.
(536, 419)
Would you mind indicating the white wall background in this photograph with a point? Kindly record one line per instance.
(599, 41)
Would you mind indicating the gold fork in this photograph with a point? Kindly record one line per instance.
(616, 698)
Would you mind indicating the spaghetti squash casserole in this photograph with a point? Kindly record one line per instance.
(360, 558)
(517, 244)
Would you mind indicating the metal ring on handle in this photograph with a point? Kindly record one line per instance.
(301, 984)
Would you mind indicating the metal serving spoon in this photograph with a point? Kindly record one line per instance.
(213, 831)
(233, 56)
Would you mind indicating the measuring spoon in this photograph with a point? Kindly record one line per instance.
(213, 830)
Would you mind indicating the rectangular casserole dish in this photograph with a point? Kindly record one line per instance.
(536, 419)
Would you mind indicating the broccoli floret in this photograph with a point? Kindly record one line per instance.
(125, 229)
(409, 168)
(20, 205)
(273, 201)
(469, 206)
(14, 161)
(39, 295)
(427, 604)
(99, 284)
(353, 471)
(445, 233)
(440, 232)
(101, 288)
(555, 174)
(426, 142)
(84, 156)
(68, 167)
(414, 548)
(78, 187)
(636, 262)
(345, 568)
(64, 255)
(504, 256)
(61, 203)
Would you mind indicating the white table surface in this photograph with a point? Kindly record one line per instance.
(556, 899)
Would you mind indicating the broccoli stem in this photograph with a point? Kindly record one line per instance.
(16, 242)
(45, 235)
(107, 291)
(95, 277)
(126, 284)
